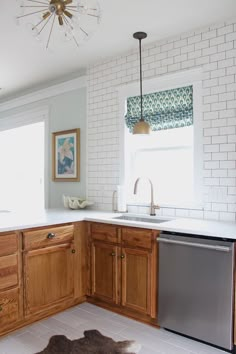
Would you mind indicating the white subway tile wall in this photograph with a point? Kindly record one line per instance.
(214, 50)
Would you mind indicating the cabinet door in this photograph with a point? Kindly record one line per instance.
(48, 276)
(104, 272)
(136, 280)
(8, 271)
(9, 307)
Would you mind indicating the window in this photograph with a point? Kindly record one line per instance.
(22, 167)
(171, 156)
(166, 157)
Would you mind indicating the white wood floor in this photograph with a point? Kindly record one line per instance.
(74, 321)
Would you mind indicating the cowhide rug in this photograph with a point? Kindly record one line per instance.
(93, 342)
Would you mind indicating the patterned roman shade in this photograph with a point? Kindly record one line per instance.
(162, 110)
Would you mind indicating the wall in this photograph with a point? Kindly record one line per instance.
(214, 50)
(66, 111)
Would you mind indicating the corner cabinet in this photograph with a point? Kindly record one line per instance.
(123, 268)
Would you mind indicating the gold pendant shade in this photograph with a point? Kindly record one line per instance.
(141, 127)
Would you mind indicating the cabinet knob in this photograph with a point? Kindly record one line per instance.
(122, 256)
(73, 251)
(113, 254)
(51, 235)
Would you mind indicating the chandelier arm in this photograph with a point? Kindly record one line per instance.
(83, 31)
(67, 21)
(38, 24)
(87, 14)
(39, 2)
(68, 24)
(67, 2)
(32, 13)
(88, 9)
(45, 24)
(92, 15)
(75, 41)
(49, 37)
(33, 6)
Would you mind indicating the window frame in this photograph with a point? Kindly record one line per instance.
(28, 117)
(166, 82)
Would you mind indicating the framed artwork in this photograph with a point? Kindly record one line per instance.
(66, 156)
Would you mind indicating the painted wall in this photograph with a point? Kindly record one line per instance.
(66, 111)
(214, 50)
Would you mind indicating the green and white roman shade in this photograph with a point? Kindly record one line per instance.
(162, 110)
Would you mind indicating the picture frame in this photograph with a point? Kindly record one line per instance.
(66, 156)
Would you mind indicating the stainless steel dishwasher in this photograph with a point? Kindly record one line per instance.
(196, 287)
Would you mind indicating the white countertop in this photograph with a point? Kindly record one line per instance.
(29, 219)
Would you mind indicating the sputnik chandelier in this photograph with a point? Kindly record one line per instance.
(75, 19)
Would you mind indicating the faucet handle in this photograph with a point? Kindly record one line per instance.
(152, 209)
(156, 206)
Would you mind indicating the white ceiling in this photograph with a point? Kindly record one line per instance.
(26, 65)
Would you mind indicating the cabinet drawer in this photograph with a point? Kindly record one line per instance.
(105, 232)
(8, 271)
(9, 307)
(137, 238)
(45, 237)
(8, 244)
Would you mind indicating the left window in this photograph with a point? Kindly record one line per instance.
(22, 167)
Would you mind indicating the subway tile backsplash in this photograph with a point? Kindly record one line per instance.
(214, 50)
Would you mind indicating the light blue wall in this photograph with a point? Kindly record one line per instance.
(66, 111)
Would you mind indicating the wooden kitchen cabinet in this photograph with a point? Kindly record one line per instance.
(10, 281)
(8, 271)
(48, 268)
(139, 270)
(42, 271)
(136, 280)
(49, 274)
(104, 271)
(123, 268)
(9, 307)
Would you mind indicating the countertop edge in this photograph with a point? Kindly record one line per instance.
(209, 228)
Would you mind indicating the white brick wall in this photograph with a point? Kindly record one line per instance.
(213, 49)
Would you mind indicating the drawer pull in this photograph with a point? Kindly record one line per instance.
(113, 254)
(73, 251)
(122, 256)
(51, 235)
(1, 308)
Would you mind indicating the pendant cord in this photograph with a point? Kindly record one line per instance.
(141, 86)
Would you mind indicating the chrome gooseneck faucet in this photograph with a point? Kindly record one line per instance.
(152, 205)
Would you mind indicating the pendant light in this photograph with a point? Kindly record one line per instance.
(141, 127)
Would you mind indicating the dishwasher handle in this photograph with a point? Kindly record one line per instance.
(193, 244)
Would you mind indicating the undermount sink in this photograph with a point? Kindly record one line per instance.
(140, 219)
